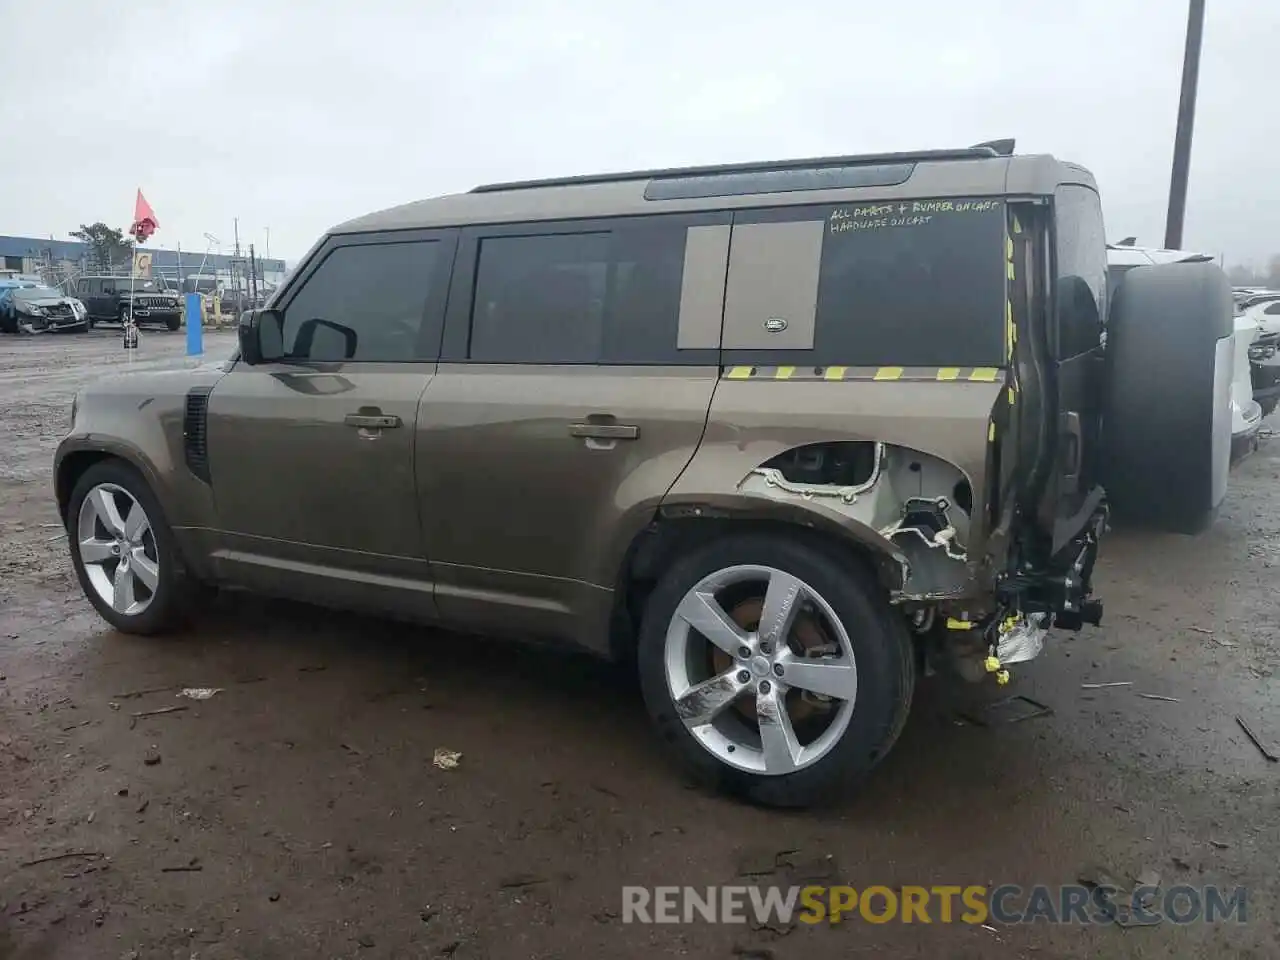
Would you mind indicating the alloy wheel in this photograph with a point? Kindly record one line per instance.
(117, 549)
(760, 669)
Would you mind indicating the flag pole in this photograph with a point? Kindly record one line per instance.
(130, 329)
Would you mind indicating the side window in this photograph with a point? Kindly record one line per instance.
(913, 283)
(1272, 310)
(1082, 270)
(540, 299)
(604, 296)
(364, 302)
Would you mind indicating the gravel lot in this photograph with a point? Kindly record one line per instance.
(297, 813)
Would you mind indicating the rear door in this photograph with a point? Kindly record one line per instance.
(579, 363)
(311, 459)
(1079, 303)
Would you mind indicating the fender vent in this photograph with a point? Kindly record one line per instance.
(195, 439)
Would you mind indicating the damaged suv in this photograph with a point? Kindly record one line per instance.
(778, 435)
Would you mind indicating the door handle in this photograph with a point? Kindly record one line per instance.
(604, 431)
(370, 421)
(1074, 439)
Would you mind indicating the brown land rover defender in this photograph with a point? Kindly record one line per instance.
(777, 434)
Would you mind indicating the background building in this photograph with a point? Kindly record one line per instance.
(59, 260)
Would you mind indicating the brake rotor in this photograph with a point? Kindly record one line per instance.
(807, 639)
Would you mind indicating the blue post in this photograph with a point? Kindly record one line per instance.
(195, 332)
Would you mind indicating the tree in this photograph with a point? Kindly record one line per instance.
(107, 246)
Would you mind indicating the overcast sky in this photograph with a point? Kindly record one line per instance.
(297, 115)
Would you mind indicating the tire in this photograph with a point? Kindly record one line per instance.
(163, 596)
(1167, 418)
(173, 323)
(849, 735)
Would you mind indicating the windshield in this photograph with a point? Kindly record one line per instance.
(37, 293)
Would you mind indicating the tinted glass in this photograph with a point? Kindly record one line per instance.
(1082, 270)
(643, 303)
(364, 303)
(594, 297)
(916, 283)
(1273, 309)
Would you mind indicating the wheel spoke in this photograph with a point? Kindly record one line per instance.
(122, 596)
(831, 678)
(702, 612)
(704, 701)
(145, 569)
(104, 505)
(781, 603)
(94, 550)
(136, 523)
(778, 740)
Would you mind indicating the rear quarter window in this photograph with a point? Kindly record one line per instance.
(912, 283)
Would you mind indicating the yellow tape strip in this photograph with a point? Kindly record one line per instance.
(834, 373)
(948, 373)
(888, 373)
(954, 624)
(984, 374)
(991, 431)
(784, 373)
(739, 373)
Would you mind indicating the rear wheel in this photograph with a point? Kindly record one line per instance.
(774, 668)
(123, 551)
(173, 323)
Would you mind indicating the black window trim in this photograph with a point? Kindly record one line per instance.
(1055, 331)
(457, 323)
(431, 332)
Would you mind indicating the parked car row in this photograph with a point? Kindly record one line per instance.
(29, 306)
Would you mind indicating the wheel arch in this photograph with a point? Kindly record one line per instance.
(73, 462)
(676, 529)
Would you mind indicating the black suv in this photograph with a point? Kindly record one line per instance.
(107, 299)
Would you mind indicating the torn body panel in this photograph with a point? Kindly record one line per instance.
(906, 497)
(845, 456)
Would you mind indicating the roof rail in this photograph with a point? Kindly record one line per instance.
(980, 152)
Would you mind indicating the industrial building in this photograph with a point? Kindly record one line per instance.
(59, 260)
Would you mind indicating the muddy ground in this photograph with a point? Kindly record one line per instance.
(297, 813)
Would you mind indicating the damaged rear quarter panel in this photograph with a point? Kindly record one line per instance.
(752, 421)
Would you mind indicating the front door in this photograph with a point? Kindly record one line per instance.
(579, 364)
(311, 459)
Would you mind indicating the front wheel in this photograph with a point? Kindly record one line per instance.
(123, 551)
(774, 668)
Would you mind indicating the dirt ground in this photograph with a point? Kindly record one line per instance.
(297, 813)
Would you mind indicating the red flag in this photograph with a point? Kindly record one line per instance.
(144, 219)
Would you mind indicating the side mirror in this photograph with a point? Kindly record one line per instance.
(261, 335)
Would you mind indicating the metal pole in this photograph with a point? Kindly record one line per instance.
(253, 278)
(1186, 124)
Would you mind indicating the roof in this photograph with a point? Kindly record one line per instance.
(976, 172)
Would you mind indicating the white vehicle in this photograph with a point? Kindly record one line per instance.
(1246, 412)
(1264, 354)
